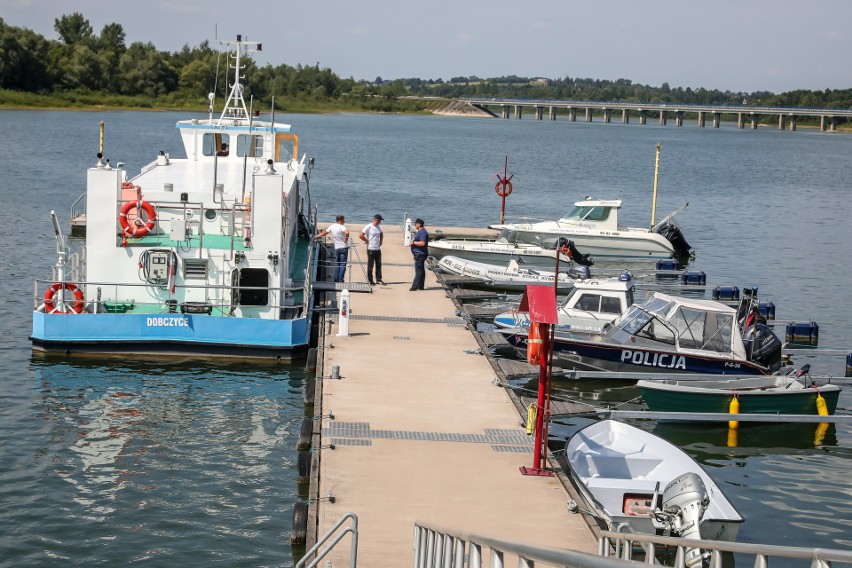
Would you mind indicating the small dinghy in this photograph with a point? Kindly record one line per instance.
(775, 394)
(512, 276)
(634, 480)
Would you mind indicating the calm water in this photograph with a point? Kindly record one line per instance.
(116, 462)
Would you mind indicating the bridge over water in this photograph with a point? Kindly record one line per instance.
(744, 113)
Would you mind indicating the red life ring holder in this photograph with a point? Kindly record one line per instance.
(79, 302)
(534, 344)
(501, 191)
(137, 228)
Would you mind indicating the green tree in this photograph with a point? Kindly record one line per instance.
(73, 28)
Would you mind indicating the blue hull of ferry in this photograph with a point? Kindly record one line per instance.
(174, 333)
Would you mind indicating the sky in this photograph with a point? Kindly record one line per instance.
(736, 45)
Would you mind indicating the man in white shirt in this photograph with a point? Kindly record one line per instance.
(373, 236)
(340, 236)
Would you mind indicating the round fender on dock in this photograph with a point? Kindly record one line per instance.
(299, 532)
(305, 434)
(310, 391)
(303, 468)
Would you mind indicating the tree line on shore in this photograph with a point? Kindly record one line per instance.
(87, 68)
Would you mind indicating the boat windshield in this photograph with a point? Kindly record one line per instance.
(587, 213)
(639, 323)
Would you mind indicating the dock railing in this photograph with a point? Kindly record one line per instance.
(330, 539)
(436, 547)
(621, 545)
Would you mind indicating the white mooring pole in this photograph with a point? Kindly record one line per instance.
(343, 315)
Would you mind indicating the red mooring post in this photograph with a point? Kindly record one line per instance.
(542, 310)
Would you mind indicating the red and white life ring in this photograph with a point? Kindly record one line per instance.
(137, 227)
(534, 344)
(50, 293)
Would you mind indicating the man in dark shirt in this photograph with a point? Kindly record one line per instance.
(420, 250)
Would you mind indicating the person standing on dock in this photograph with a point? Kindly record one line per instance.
(373, 236)
(420, 250)
(340, 236)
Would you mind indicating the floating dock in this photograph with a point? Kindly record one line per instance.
(422, 428)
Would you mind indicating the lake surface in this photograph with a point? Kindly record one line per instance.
(119, 461)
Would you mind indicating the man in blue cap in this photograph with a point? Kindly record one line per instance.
(420, 251)
(373, 236)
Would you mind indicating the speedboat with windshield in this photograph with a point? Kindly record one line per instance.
(204, 254)
(668, 334)
(592, 225)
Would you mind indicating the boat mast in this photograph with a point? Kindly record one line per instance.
(235, 106)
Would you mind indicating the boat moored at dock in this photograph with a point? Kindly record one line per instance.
(209, 254)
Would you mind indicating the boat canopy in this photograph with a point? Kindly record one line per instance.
(693, 325)
(594, 211)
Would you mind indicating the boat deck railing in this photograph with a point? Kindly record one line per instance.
(216, 302)
(652, 548)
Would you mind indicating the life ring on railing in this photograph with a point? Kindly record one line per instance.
(505, 190)
(138, 228)
(534, 343)
(50, 293)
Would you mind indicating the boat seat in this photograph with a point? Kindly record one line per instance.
(616, 466)
(622, 485)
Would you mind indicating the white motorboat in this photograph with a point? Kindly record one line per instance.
(512, 276)
(632, 479)
(592, 225)
(591, 305)
(499, 251)
(209, 254)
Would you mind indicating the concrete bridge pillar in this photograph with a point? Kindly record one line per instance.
(504, 111)
(717, 118)
(588, 114)
(794, 121)
(679, 118)
(664, 117)
(518, 111)
(701, 119)
(607, 115)
(754, 118)
(572, 114)
(539, 112)
(625, 116)
(832, 124)
(740, 120)
(822, 124)
(781, 122)
(643, 117)
(552, 113)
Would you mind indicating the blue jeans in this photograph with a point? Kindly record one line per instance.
(341, 255)
(419, 272)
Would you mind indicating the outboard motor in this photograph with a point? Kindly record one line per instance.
(579, 272)
(674, 235)
(576, 255)
(684, 502)
(763, 346)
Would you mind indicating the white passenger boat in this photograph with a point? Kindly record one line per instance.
(514, 275)
(634, 480)
(592, 225)
(506, 248)
(591, 305)
(208, 254)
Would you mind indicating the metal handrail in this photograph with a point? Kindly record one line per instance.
(353, 551)
(436, 547)
(75, 210)
(614, 543)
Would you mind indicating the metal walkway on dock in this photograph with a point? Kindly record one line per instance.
(421, 429)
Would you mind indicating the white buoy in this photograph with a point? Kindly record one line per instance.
(343, 315)
(407, 232)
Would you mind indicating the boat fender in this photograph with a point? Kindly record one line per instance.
(50, 293)
(822, 407)
(734, 408)
(532, 411)
(534, 344)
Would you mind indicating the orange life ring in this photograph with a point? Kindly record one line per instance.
(137, 228)
(49, 294)
(534, 344)
(501, 191)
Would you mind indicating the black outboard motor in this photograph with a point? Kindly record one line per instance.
(763, 346)
(576, 255)
(674, 235)
(578, 271)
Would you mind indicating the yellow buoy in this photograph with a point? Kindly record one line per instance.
(822, 407)
(734, 408)
(732, 437)
(532, 411)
